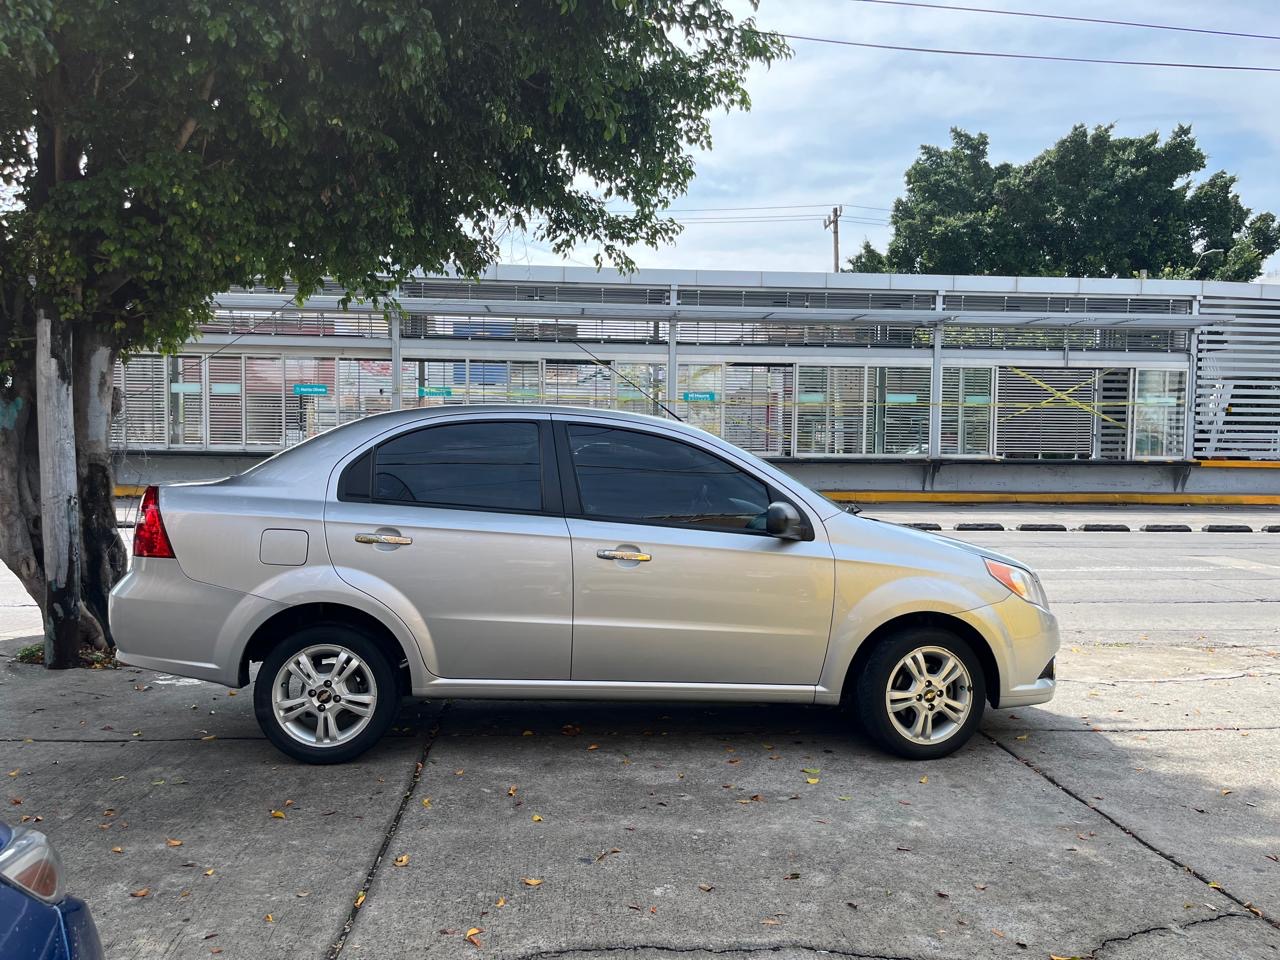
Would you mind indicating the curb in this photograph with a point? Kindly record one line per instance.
(979, 526)
(924, 525)
(1104, 527)
(1271, 528)
(1165, 528)
(1226, 528)
(1042, 527)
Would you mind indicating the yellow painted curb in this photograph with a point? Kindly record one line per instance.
(1261, 464)
(129, 490)
(927, 496)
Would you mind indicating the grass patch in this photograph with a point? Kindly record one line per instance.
(92, 659)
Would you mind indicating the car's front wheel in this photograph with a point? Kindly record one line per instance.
(921, 693)
(325, 694)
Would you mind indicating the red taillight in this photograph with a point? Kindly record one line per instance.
(149, 536)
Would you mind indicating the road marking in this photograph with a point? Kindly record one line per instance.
(1240, 563)
(1124, 569)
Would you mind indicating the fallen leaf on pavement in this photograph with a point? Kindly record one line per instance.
(811, 780)
(1023, 737)
(705, 887)
(536, 818)
(500, 902)
(359, 900)
(607, 853)
(770, 922)
(979, 886)
(426, 802)
(925, 778)
(472, 936)
(811, 770)
(269, 918)
(142, 892)
(278, 814)
(209, 872)
(117, 849)
(531, 881)
(402, 860)
(173, 843)
(998, 933)
(594, 746)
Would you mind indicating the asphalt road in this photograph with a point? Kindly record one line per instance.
(1135, 816)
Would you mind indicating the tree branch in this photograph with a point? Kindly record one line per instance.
(189, 125)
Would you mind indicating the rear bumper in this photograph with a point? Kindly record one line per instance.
(163, 620)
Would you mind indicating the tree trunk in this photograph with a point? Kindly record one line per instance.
(103, 561)
(59, 500)
(20, 544)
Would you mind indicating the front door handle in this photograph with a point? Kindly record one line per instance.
(632, 555)
(395, 541)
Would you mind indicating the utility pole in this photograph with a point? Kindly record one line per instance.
(833, 222)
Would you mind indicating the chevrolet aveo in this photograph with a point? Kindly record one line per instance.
(548, 552)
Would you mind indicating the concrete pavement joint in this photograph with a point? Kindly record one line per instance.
(1131, 833)
(420, 766)
(1202, 678)
(743, 950)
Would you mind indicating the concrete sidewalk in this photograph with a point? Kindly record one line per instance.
(1134, 817)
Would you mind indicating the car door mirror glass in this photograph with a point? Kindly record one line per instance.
(782, 520)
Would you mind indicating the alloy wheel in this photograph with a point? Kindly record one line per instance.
(324, 695)
(929, 695)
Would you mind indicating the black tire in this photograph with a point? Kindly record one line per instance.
(872, 684)
(378, 676)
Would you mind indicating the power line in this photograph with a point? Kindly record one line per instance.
(1061, 16)
(783, 206)
(1030, 56)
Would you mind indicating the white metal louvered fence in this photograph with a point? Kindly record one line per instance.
(1237, 400)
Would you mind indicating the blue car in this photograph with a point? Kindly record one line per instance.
(38, 921)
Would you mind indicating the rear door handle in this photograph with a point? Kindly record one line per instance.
(623, 555)
(388, 538)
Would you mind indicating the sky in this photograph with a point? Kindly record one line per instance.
(840, 125)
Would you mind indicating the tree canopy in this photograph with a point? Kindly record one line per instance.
(156, 152)
(1092, 205)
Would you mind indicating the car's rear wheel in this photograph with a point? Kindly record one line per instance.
(921, 693)
(325, 694)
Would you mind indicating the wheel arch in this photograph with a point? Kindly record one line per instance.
(293, 618)
(928, 620)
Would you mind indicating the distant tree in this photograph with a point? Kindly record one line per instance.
(1092, 205)
(156, 152)
(868, 260)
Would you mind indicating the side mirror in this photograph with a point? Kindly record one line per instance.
(782, 520)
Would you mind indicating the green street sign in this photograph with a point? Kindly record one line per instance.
(435, 391)
(310, 389)
(698, 396)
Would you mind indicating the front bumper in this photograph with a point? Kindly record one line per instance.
(1025, 640)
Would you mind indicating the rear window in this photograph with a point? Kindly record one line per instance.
(491, 465)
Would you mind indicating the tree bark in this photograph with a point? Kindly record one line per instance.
(20, 544)
(103, 561)
(59, 498)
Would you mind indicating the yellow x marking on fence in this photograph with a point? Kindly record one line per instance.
(1056, 394)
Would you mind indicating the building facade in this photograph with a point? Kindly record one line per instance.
(792, 366)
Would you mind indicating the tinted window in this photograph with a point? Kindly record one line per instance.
(482, 465)
(639, 476)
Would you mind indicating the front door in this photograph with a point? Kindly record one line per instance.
(675, 578)
(460, 524)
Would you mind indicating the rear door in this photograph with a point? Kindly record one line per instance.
(461, 521)
(675, 578)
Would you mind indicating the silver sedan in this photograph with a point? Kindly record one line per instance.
(550, 552)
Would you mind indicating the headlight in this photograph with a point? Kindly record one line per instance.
(1022, 582)
(30, 862)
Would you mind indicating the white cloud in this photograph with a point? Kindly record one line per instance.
(841, 124)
